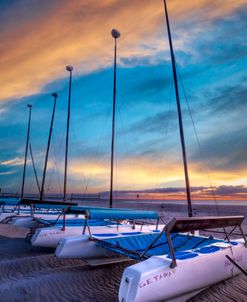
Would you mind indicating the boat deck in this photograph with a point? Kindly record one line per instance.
(185, 246)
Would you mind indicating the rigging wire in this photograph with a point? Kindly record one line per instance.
(19, 186)
(77, 150)
(87, 180)
(125, 144)
(56, 155)
(165, 137)
(202, 155)
(149, 205)
(199, 143)
(94, 156)
(58, 175)
(34, 168)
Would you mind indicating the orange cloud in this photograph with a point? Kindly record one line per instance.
(35, 49)
(142, 173)
(12, 162)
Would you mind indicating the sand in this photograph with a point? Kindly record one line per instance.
(33, 274)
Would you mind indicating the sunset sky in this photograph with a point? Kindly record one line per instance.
(40, 37)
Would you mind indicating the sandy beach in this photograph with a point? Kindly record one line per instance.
(34, 274)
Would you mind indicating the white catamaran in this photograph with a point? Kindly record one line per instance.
(174, 266)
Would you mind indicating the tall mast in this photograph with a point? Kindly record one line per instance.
(115, 34)
(175, 78)
(25, 159)
(69, 68)
(54, 95)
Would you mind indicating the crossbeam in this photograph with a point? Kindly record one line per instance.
(26, 201)
(202, 223)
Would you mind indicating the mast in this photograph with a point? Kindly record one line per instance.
(115, 34)
(181, 131)
(69, 68)
(25, 159)
(55, 95)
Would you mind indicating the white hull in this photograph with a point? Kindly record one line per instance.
(83, 247)
(154, 280)
(50, 236)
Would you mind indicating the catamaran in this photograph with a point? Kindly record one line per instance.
(100, 222)
(174, 266)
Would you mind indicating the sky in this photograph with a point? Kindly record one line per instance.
(40, 37)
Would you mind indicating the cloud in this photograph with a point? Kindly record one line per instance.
(7, 173)
(12, 162)
(229, 99)
(178, 193)
(222, 42)
(223, 152)
(50, 34)
(223, 147)
(230, 190)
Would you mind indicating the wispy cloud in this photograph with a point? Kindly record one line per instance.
(171, 193)
(12, 162)
(7, 172)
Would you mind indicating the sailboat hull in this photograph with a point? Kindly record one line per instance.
(83, 247)
(154, 280)
(80, 247)
(50, 236)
